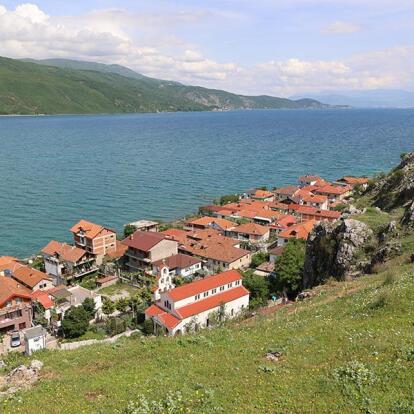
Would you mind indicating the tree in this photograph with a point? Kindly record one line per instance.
(121, 305)
(89, 305)
(258, 287)
(289, 268)
(259, 258)
(75, 322)
(128, 230)
(108, 307)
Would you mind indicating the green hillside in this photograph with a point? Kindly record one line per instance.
(349, 349)
(71, 87)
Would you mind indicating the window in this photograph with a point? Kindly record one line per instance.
(230, 285)
(213, 291)
(196, 297)
(221, 288)
(237, 282)
(205, 294)
(232, 312)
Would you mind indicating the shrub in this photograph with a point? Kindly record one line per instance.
(115, 326)
(128, 230)
(259, 258)
(379, 302)
(148, 328)
(354, 377)
(75, 322)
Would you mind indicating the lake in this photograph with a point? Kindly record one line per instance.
(113, 169)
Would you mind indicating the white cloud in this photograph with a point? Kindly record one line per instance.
(340, 27)
(115, 36)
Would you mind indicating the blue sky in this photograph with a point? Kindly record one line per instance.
(278, 47)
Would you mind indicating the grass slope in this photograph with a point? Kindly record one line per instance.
(70, 87)
(349, 349)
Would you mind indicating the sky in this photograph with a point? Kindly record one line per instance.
(273, 47)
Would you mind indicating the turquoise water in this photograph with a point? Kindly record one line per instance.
(116, 169)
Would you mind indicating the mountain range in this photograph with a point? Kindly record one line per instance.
(375, 98)
(61, 86)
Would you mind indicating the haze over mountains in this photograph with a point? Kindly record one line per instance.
(60, 86)
(376, 98)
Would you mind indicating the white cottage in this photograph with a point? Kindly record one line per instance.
(191, 305)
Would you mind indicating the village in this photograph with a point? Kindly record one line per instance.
(157, 278)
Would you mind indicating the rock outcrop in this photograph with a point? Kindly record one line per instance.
(20, 378)
(336, 250)
(396, 189)
(408, 218)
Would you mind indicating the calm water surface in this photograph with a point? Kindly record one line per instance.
(116, 169)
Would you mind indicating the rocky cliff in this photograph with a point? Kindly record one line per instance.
(396, 189)
(336, 250)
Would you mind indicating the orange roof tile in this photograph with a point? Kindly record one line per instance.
(298, 231)
(332, 189)
(91, 229)
(10, 288)
(24, 274)
(200, 286)
(64, 251)
(251, 228)
(212, 302)
(354, 180)
(7, 259)
(43, 298)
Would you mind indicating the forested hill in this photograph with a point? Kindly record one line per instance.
(72, 87)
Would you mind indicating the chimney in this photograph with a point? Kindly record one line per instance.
(7, 273)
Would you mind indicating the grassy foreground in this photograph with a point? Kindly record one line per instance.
(349, 349)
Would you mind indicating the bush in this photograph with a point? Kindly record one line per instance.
(148, 328)
(115, 326)
(259, 258)
(75, 322)
(128, 230)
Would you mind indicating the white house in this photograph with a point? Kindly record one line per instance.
(178, 265)
(190, 306)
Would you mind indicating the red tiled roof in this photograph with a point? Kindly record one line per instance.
(212, 302)
(207, 221)
(288, 190)
(144, 240)
(7, 259)
(313, 198)
(262, 194)
(9, 289)
(298, 231)
(179, 260)
(167, 319)
(24, 274)
(251, 228)
(43, 298)
(65, 251)
(276, 251)
(106, 279)
(91, 229)
(332, 189)
(318, 213)
(353, 180)
(200, 286)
